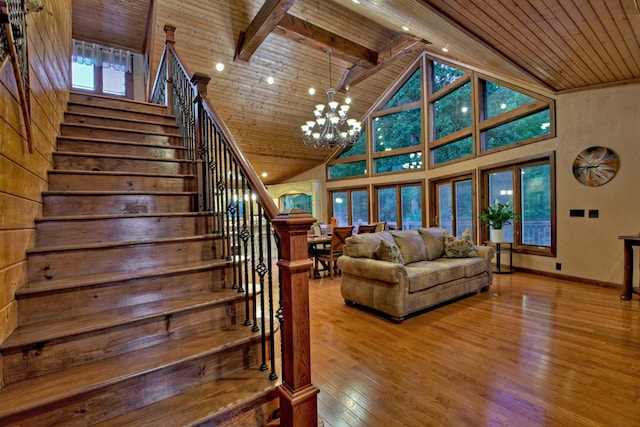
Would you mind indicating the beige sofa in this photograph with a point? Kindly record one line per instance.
(402, 272)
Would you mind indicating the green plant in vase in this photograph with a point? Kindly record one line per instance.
(498, 215)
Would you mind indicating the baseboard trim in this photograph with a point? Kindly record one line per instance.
(599, 283)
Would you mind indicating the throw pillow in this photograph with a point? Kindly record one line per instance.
(411, 245)
(388, 251)
(434, 241)
(459, 247)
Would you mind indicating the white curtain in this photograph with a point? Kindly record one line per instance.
(106, 57)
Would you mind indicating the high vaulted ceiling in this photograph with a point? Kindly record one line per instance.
(546, 45)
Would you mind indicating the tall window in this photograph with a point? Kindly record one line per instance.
(350, 207)
(396, 129)
(101, 69)
(530, 186)
(452, 204)
(401, 205)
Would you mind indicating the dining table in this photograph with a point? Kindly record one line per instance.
(313, 242)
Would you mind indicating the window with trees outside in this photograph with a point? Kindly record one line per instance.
(350, 207)
(352, 162)
(508, 115)
(396, 129)
(400, 205)
(530, 187)
(452, 203)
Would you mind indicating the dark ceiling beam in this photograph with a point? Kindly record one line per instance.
(313, 36)
(395, 50)
(271, 12)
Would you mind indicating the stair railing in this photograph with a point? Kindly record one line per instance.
(255, 233)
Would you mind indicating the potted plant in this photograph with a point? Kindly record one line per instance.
(498, 215)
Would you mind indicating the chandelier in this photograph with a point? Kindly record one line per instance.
(331, 127)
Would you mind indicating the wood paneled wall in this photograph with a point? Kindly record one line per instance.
(23, 176)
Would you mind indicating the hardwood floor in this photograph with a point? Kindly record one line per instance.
(532, 351)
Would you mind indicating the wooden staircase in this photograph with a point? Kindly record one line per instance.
(129, 316)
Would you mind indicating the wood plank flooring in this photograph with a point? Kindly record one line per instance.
(533, 351)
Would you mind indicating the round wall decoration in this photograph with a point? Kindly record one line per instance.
(595, 166)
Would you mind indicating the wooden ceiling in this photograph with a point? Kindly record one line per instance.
(545, 45)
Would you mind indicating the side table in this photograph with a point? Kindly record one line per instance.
(502, 247)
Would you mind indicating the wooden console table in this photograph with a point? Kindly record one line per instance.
(627, 281)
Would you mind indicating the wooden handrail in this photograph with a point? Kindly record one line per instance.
(298, 396)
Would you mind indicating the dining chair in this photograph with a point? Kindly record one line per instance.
(329, 257)
(367, 228)
(381, 226)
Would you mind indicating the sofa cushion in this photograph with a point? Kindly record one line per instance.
(472, 266)
(427, 274)
(434, 241)
(411, 245)
(364, 245)
(388, 251)
(459, 247)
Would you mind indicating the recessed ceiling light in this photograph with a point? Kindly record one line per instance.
(347, 100)
(270, 80)
(405, 28)
(264, 174)
(356, 1)
(312, 91)
(446, 48)
(220, 66)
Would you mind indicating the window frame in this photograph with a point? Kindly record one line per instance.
(398, 186)
(516, 167)
(349, 191)
(98, 84)
(434, 219)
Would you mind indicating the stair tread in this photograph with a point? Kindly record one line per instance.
(116, 141)
(118, 173)
(36, 287)
(119, 156)
(104, 245)
(116, 193)
(46, 331)
(125, 119)
(118, 129)
(46, 389)
(110, 98)
(199, 404)
(115, 216)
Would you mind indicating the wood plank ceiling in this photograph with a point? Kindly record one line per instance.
(547, 45)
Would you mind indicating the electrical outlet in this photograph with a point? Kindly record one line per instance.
(558, 266)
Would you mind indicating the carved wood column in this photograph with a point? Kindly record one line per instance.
(298, 397)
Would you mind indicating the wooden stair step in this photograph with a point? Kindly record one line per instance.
(210, 402)
(113, 228)
(118, 162)
(78, 260)
(130, 135)
(119, 103)
(67, 328)
(117, 112)
(34, 288)
(108, 146)
(119, 122)
(146, 374)
(58, 203)
(83, 180)
(96, 294)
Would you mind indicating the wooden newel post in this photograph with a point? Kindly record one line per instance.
(170, 40)
(200, 81)
(298, 397)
